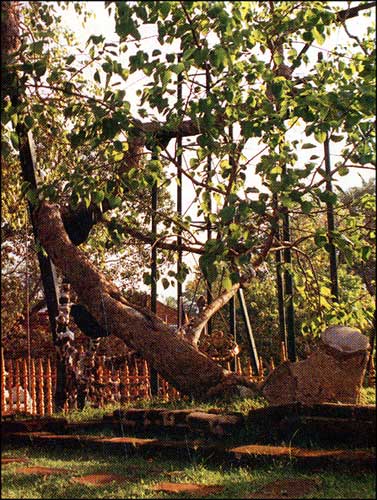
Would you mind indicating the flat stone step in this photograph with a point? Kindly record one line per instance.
(331, 410)
(51, 424)
(246, 454)
(354, 424)
(307, 457)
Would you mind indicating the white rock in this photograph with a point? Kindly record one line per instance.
(345, 339)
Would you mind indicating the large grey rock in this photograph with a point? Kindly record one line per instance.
(334, 373)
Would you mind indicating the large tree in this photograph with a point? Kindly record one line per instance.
(248, 83)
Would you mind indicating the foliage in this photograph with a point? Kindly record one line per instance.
(74, 100)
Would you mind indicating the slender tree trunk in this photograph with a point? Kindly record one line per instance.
(189, 370)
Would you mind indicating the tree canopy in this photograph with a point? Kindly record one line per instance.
(260, 92)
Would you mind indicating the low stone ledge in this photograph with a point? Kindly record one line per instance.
(218, 425)
(34, 425)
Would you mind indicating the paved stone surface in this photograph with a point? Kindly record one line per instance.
(188, 488)
(310, 457)
(101, 479)
(12, 460)
(287, 488)
(41, 471)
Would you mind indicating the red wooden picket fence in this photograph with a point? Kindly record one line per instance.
(129, 381)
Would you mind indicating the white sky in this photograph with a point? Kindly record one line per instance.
(101, 23)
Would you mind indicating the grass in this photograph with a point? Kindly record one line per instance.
(238, 482)
(368, 396)
(238, 405)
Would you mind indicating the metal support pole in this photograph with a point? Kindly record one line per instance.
(233, 324)
(47, 268)
(279, 281)
(209, 232)
(331, 225)
(249, 331)
(288, 279)
(153, 373)
(232, 302)
(179, 211)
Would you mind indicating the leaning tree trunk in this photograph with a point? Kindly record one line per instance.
(189, 370)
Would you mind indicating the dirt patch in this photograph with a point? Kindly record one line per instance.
(190, 488)
(41, 471)
(287, 488)
(12, 460)
(100, 479)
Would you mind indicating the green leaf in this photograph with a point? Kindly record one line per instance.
(320, 136)
(29, 121)
(337, 138)
(320, 239)
(40, 68)
(114, 201)
(14, 140)
(328, 197)
(218, 57)
(165, 283)
(227, 214)
(70, 59)
(366, 252)
(98, 197)
(318, 37)
(177, 68)
(147, 278)
(308, 145)
(227, 283)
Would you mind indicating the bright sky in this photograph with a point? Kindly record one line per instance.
(101, 23)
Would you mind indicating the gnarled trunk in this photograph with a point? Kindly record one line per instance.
(189, 370)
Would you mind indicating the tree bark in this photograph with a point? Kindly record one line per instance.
(190, 371)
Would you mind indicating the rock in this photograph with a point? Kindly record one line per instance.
(217, 425)
(332, 374)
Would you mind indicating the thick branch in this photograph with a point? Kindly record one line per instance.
(195, 326)
(189, 370)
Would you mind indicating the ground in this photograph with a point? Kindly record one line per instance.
(143, 474)
(67, 473)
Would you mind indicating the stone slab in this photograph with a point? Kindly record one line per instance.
(100, 479)
(246, 453)
(188, 488)
(306, 457)
(41, 471)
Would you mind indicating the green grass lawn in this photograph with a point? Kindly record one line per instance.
(143, 473)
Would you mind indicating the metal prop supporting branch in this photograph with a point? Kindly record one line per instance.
(47, 268)
(249, 333)
(179, 211)
(331, 225)
(279, 282)
(209, 206)
(153, 373)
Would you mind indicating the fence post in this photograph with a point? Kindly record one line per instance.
(33, 393)
(41, 406)
(25, 385)
(49, 387)
(125, 396)
(3, 383)
(272, 364)
(283, 352)
(10, 385)
(17, 385)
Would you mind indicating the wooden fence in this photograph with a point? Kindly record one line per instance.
(28, 384)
